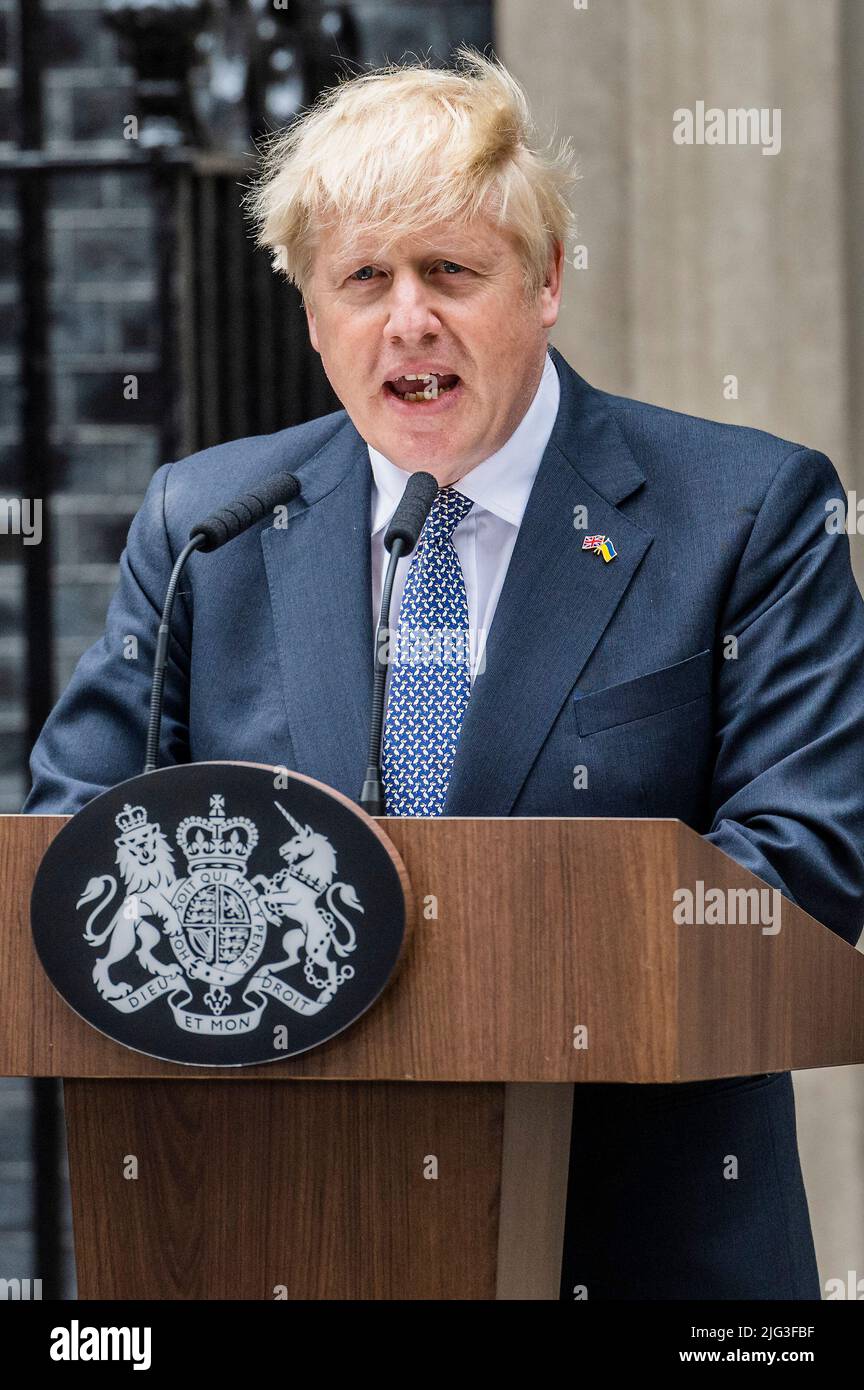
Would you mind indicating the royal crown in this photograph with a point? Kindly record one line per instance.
(130, 818)
(216, 843)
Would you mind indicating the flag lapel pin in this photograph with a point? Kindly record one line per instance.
(601, 545)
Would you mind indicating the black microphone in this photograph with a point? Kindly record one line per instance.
(218, 528)
(400, 539)
(243, 512)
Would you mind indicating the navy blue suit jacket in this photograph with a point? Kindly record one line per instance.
(620, 667)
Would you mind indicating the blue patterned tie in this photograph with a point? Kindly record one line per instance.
(430, 679)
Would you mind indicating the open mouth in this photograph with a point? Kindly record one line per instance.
(419, 387)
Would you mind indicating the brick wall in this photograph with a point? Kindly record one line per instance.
(102, 325)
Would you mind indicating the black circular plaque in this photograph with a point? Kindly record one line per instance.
(220, 914)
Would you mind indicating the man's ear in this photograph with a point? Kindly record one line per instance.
(550, 294)
(311, 324)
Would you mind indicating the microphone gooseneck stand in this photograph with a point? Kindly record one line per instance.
(222, 526)
(400, 539)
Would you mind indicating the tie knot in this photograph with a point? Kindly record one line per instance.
(447, 511)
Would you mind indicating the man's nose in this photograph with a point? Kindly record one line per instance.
(411, 308)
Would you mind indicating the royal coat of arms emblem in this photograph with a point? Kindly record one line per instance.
(180, 923)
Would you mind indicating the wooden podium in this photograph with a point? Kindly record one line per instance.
(423, 1153)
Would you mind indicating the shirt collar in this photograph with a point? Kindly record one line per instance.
(503, 481)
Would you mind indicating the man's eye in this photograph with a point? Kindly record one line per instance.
(359, 274)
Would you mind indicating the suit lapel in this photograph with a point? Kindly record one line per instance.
(319, 575)
(555, 604)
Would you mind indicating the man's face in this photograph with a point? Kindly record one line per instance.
(450, 302)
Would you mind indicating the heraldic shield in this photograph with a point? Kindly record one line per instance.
(221, 914)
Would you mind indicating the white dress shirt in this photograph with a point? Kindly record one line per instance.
(484, 539)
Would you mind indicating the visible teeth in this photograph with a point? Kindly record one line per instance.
(430, 392)
(426, 395)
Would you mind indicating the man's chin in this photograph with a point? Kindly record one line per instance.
(428, 449)
(446, 462)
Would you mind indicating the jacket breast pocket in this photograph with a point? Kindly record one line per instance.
(645, 695)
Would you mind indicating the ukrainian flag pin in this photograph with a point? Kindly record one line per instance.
(601, 545)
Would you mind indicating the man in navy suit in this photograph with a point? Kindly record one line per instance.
(704, 665)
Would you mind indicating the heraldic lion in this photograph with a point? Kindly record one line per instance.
(146, 865)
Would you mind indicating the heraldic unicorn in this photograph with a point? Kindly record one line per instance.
(216, 920)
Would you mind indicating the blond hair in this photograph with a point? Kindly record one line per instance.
(398, 149)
